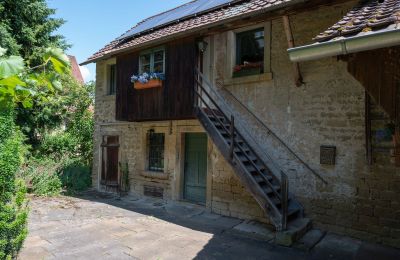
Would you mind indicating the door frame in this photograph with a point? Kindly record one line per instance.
(106, 132)
(184, 168)
(178, 185)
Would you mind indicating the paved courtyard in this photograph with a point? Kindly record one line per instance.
(100, 226)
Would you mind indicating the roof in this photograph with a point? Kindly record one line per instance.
(75, 70)
(201, 21)
(367, 17)
(190, 9)
(370, 25)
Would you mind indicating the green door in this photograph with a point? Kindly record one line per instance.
(195, 167)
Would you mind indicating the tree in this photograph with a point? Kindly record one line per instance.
(26, 29)
(19, 84)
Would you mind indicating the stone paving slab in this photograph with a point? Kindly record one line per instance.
(102, 226)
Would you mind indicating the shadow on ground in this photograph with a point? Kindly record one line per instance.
(96, 225)
(229, 239)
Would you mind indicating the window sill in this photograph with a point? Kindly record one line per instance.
(249, 79)
(155, 175)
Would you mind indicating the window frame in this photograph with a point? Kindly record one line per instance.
(151, 52)
(231, 55)
(149, 151)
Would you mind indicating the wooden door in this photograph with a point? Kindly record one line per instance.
(195, 178)
(110, 150)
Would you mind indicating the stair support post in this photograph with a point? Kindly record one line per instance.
(232, 133)
(285, 199)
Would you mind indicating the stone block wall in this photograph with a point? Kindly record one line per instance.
(359, 200)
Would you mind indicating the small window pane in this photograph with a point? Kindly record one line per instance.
(145, 59)
(250, 52)
(156, 152)
(159, 56)
(159, 67)
(146, 68)
(112, 80)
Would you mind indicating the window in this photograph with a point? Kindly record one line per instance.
(109, 162)
(249, 53)
(152, 61)
(112, 79)
(156, 151)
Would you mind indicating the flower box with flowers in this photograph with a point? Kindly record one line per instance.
(148, 80)
(247, 69)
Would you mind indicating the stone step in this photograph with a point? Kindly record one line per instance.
(295, 231)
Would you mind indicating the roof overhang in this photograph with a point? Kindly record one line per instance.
(178, 35)
(361, 42)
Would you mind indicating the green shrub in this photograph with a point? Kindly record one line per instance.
(41, 176)
(13, 219)
(76, 177)
(58, 145)
(48, 177)
(13, 210)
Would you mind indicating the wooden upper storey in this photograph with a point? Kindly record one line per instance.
(172, 101)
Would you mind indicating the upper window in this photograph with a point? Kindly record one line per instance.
(249, 53)
(152, 61)
(112, 79)
(156, 151)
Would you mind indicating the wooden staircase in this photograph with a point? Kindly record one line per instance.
(270, 191)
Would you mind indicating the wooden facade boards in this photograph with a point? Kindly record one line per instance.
(172, 101)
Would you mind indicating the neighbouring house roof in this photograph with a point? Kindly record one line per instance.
(367, 17)
(370, 25)
(199, 21)
(75, 70)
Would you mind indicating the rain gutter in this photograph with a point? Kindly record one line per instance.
(342, 46)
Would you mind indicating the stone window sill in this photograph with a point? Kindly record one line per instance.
(249, 79)
(155, 175)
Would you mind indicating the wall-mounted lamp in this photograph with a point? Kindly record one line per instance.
(150, 132)
(202, 45)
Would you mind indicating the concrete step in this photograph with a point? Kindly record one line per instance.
(309, 240)
(295, 231)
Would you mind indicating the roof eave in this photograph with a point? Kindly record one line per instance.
(365, 42)
(178, 35)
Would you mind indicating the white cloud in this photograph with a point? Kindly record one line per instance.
(85, 73)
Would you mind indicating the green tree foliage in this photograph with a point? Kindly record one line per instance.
(18, 84)
(26, 29)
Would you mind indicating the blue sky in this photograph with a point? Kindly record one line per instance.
(91, 24)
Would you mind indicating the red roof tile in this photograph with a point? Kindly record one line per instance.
(205, 20)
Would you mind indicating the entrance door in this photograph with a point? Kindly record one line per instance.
(109, 172)
(195, 167)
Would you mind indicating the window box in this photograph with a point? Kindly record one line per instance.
(246, 72)
(152, 83)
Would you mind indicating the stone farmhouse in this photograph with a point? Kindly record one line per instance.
(281, 111)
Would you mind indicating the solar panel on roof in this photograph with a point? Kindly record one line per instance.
(180, 12)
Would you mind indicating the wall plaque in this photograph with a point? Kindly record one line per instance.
(327, 155)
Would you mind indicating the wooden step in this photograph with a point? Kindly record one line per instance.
(259, 178)
(268, 190)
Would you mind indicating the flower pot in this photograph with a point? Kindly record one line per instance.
(153, 83)
(247, 72)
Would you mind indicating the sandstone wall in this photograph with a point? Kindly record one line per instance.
(359, 200)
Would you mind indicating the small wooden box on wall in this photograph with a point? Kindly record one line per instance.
(327, 155)
(396, 149)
